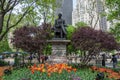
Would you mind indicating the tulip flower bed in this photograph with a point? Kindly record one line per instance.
(54, 68)
(109, 72)
(52, 72)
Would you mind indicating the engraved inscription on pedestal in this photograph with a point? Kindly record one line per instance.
(59, 50)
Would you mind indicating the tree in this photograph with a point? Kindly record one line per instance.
(21, 9)
(70, 30)
(116, 32)
(6, 8)
(81, 24)
(32, 39)
(94, 11)
(114, 9)
(91, 42)
(4, 45)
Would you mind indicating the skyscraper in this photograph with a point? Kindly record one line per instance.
(65, 7)
(89, 11)
(102, 20)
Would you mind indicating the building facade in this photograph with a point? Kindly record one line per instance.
(66, 8)
(90, 12)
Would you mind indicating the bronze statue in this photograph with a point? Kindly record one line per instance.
(60, 28)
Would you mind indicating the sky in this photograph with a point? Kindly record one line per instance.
(74, 3)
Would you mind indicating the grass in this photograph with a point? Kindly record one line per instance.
(25, 74)
(22, 74)
(87, 74)
(119, 63)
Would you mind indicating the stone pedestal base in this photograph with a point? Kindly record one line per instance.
(58, 51)
(56, 59)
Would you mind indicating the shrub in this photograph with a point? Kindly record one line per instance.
(91, 42)
(3, 63)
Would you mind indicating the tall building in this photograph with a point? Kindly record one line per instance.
(100, 9)
(65, 7)
(90, 12)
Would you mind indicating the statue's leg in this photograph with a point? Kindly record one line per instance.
(55, 34)
(64, 35)
(61, 34)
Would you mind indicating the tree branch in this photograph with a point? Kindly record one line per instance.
(12, 6)
(8, 28)
(8, 4)
(20, 18)
(96, 21)
(1, 22)
(7, 25)
(2, 5)
(1, 36)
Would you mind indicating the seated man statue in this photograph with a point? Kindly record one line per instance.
(60, 28)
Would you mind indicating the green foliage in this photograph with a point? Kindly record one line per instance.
(70, 49)
(3, 63)
(35, 14)
(4, 46)
(70, 30)
(118, 64)
(114, 9)
(116, 31)
(48, 49)
(26, 74)
(112, 15)
(24, 12)
(116, 69)
(16, 61)
(80, 24)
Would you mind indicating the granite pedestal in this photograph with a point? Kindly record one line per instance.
(58, 51)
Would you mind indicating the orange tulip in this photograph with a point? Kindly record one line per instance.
(74, 69)
(51, 68)
(49, 74)
(43, 70)
(111, 73)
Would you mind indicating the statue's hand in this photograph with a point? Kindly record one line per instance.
(65, 25)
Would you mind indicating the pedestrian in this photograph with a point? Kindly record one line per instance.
(114, 60)
(46, 58)
(103, 60)
(42, 58)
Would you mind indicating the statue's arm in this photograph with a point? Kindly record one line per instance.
(64, 23)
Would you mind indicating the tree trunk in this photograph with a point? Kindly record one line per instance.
(38, 57)
(1, 22)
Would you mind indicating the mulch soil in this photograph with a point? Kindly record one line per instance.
(2, 70)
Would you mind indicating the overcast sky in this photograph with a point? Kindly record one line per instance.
(74, 3)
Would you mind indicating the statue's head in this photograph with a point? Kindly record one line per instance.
(60, 15)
